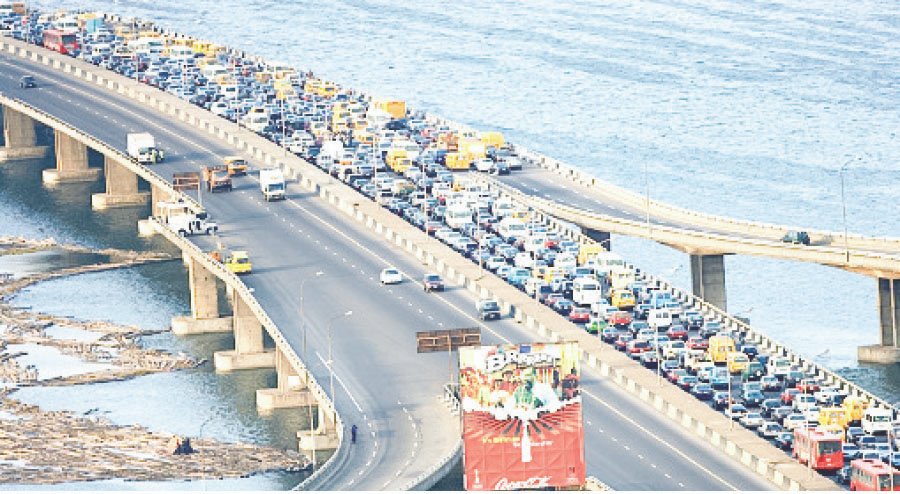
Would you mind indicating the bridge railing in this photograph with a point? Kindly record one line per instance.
(103, 148)
(768, 344)
(429, 477)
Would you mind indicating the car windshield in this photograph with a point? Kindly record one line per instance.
(390, 271)
(884, 481)
(432, 277)
(829, 447)
(490, 305)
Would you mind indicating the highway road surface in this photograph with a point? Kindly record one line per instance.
(381, 384)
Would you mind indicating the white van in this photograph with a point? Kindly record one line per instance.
(586, 291)
(659, 319)
(876, 421)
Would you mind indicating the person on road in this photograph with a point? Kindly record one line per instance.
(353, 430)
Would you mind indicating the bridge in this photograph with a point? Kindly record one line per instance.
(639, 434)
(602, 208)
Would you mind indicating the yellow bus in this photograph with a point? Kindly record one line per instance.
(719, 348)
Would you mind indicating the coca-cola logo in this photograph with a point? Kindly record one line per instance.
(505, 484)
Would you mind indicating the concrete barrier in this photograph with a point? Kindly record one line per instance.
(679, 406)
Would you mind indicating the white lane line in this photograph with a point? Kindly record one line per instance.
(340, 381)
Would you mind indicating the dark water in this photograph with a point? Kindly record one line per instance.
(185, 402)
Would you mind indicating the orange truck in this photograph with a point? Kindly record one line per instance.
(217, 178)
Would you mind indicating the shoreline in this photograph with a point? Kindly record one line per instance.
(54, 447)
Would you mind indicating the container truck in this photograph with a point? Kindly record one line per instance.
(142, 148)
(271, 183)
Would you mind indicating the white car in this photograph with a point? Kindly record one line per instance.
(484, 165)
(752, 420)
(795, 420)
(390, 276)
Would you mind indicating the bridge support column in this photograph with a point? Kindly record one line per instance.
(291, 391)
(248, 352)
(121, 188)
(708, 277)
(323, 438)
(204, 316)
(888, 351)
(71, 162)
(19, 137)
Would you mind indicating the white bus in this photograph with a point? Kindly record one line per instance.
(586, 291)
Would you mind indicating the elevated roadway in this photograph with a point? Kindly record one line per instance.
(380, 383)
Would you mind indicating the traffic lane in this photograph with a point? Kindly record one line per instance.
(529, 338)
(276, 286)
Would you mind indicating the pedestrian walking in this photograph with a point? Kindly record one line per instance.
(353, 430)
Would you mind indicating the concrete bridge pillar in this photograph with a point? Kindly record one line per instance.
(204, 316)
(157, 195)
(20, 139)
(248, 352)
(323, 437)
(121, 188)
(291, 391)
(888, 351)
(708, 277)
(71, 162)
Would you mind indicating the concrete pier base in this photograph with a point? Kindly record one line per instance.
(878, 354)
(314, 441)
(274, 398)
(105, 201)
(230, 360)
(187, 325)
(56, 176)
(22, 153)
(145, 228)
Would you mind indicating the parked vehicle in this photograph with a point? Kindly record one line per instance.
(141, 147)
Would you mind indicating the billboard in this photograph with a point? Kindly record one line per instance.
(521, 416)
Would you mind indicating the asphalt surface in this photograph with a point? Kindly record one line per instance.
(381, 384)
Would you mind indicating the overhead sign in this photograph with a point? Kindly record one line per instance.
(447, 339)
(182, 181)
(522, 424)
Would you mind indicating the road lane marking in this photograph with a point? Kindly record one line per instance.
(340, 381)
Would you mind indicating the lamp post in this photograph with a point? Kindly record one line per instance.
(844, 209)
(647, 198)
(330, 360)
(302, 314)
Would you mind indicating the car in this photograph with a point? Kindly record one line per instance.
(736, 411)
(622, 341)
(753, 372)
(390, 276)
(784, 440)
(239, 262)
(702, 391)
(636, 348)
(563, 306)
(770, 383)
(721, 399)
(620, 318)
(580, 315)
(809, 385)
(432, 282)
(27, 81)
(768, 406)
(649, 359)
(488, 309)
(779, 413)
(668, 365)
(769, 429)
(793, 378)
(609, 334)
(751, 420)
(843, 475)
(854, 433)
(697, 343)
(693, 319)
(687, 381)
(867, 441)
(753, 398)
(677, 332)
(750, 351)
(795, 420)
(851, 451)
(796, 237)
(787, 396)
(884, 450)
(673, 375)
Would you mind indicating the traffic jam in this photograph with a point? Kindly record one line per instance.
(423, 172)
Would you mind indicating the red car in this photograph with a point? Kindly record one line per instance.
(787, 397)
(697, 343)
(620, 318)
(636, 347)
(580, 315)
(677, 332)
(622, 341)
(674, 374)
(809, 386)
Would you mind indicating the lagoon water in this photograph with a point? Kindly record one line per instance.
(740, 108)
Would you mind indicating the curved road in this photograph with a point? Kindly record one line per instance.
(381, 383)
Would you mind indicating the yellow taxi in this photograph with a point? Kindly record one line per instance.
(239, 262)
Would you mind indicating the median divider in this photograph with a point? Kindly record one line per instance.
(751, 450)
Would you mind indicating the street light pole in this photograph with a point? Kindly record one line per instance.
(844, 210)
(647, 185)
(302, 314)
(330, 360)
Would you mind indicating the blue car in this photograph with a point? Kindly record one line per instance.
(702, 391)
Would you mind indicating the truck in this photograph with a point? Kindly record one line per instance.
(179, 217)
(237, 166)
(271, 183)
(217, 178)
(142, 148)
